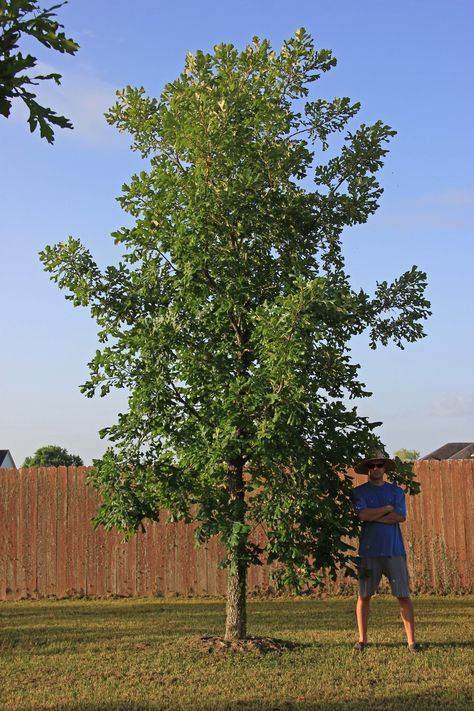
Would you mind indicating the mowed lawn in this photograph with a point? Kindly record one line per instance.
(140, 654)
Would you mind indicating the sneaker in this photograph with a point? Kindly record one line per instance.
(415, 648)
(360, 647)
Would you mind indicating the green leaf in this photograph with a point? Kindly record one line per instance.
(20, 18)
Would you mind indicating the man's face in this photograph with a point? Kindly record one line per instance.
(376, 471)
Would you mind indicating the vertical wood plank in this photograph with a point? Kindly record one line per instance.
(211, 566)
(111, 539)
(82, 530)
(169, 568)
(193, 554)
(4, 484)
(121, 566)
(22, 537)
(41, 533)
(90, 551)
(468, 484)
(110, 563)
(159, 553)
(447, 505)
(11, 519)
(458, 479)
(98, 540)
(101, 551)
(435, 525)
(61, 532)
(415, 533)
(32, 515)
(141, 573)
(51, 531)
(151, 581)
(71, 532)
(201, 570)
(426, 548)
(221, 573)
(132, 567)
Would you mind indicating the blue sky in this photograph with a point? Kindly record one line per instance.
(409, 63)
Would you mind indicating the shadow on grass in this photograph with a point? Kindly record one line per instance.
(53, 627)
(68, 627)
(410, 702)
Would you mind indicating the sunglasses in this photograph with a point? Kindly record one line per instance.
(378, 465)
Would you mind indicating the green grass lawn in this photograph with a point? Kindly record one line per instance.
(136, 654)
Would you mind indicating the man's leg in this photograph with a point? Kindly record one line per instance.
(370, 572)
(362, 613)
(397, 572)
(408, 618)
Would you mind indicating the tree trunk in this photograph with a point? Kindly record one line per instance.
(236, 607)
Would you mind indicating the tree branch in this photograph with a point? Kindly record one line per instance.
(185, 402)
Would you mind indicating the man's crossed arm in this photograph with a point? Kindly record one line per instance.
(382, 514)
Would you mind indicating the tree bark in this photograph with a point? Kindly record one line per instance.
(236, 607)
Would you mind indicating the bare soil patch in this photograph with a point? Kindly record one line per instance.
(258, 645)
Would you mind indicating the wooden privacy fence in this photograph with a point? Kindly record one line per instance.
(48, 547)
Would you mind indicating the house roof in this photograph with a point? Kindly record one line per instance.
(466, 453)
(4, 457)
(452, 450)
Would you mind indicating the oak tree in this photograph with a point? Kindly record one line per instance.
(20, 19)
(230, 313)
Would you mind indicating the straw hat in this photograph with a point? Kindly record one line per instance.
(377, 455)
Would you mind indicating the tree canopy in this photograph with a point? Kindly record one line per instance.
(52, 456)
(20, 18)
(230, 314)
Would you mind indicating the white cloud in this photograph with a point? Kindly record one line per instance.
(454, 406)
(81, 97)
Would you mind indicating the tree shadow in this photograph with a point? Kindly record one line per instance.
(409, 702)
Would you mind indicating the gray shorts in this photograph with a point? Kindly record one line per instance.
(394, 568)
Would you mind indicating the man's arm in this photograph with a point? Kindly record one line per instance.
(392, 517)
(375, 514)
(399, 512)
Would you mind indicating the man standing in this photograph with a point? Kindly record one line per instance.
(381, 508)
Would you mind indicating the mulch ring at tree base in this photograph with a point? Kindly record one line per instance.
(258, 645)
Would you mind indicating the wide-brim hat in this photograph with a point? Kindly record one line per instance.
(376, 456)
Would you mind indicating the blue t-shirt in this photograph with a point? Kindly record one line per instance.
(380, 539)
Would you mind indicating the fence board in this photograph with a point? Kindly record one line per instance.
(42, 532)
(11, 515)
(469, 524)
(22, 537)
(61, 532)
(71, 530)
(3, 538)
(101, 563)
(142, 566)
(91, 551)
(51, 533)
(460, 513)
(31, 478)
(49, 548)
